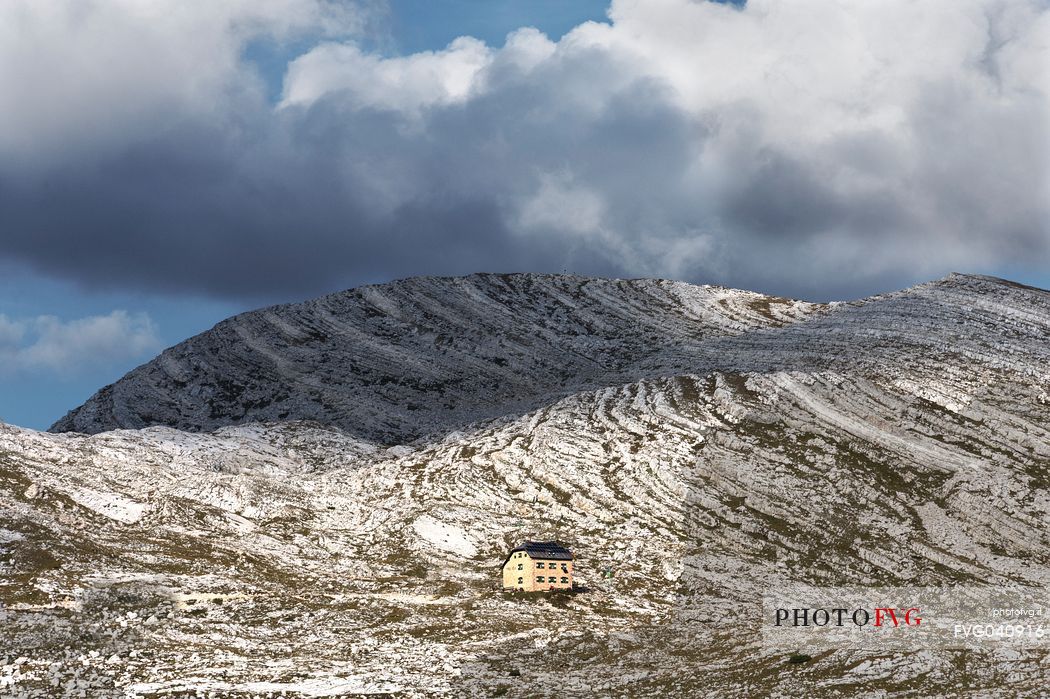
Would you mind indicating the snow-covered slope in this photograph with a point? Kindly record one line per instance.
(426, 355)
(899, 440)
(423, 356)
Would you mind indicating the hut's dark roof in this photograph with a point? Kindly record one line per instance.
(550, 550)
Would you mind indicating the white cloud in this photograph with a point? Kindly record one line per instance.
(11, 334)
(402, 83)
(46, 343)
(560, 206)
(803, 146)
(99, 74)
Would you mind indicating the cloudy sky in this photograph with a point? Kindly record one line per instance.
(166, 163)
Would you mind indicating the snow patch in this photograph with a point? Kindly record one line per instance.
(111, 505)
(319, 687)
(953, 400)
(447, 537)
(7, 536)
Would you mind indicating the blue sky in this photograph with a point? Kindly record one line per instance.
(422, 25)
(37, 396)
(158, 175)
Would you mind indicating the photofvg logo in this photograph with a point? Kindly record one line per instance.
(840, 616)
(904, 618)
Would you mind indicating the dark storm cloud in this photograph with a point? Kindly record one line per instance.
(686, 140)
(155, 218)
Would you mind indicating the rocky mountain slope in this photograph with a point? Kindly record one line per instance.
(898, 440)
(426, 355)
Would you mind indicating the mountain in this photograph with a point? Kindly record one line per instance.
(695, 446)
(426, 355)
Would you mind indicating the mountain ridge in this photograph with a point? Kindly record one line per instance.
(394, 362)
(481, 329)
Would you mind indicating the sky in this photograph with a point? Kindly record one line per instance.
(166, 164)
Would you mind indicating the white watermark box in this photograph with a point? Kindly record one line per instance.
(796, 616)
